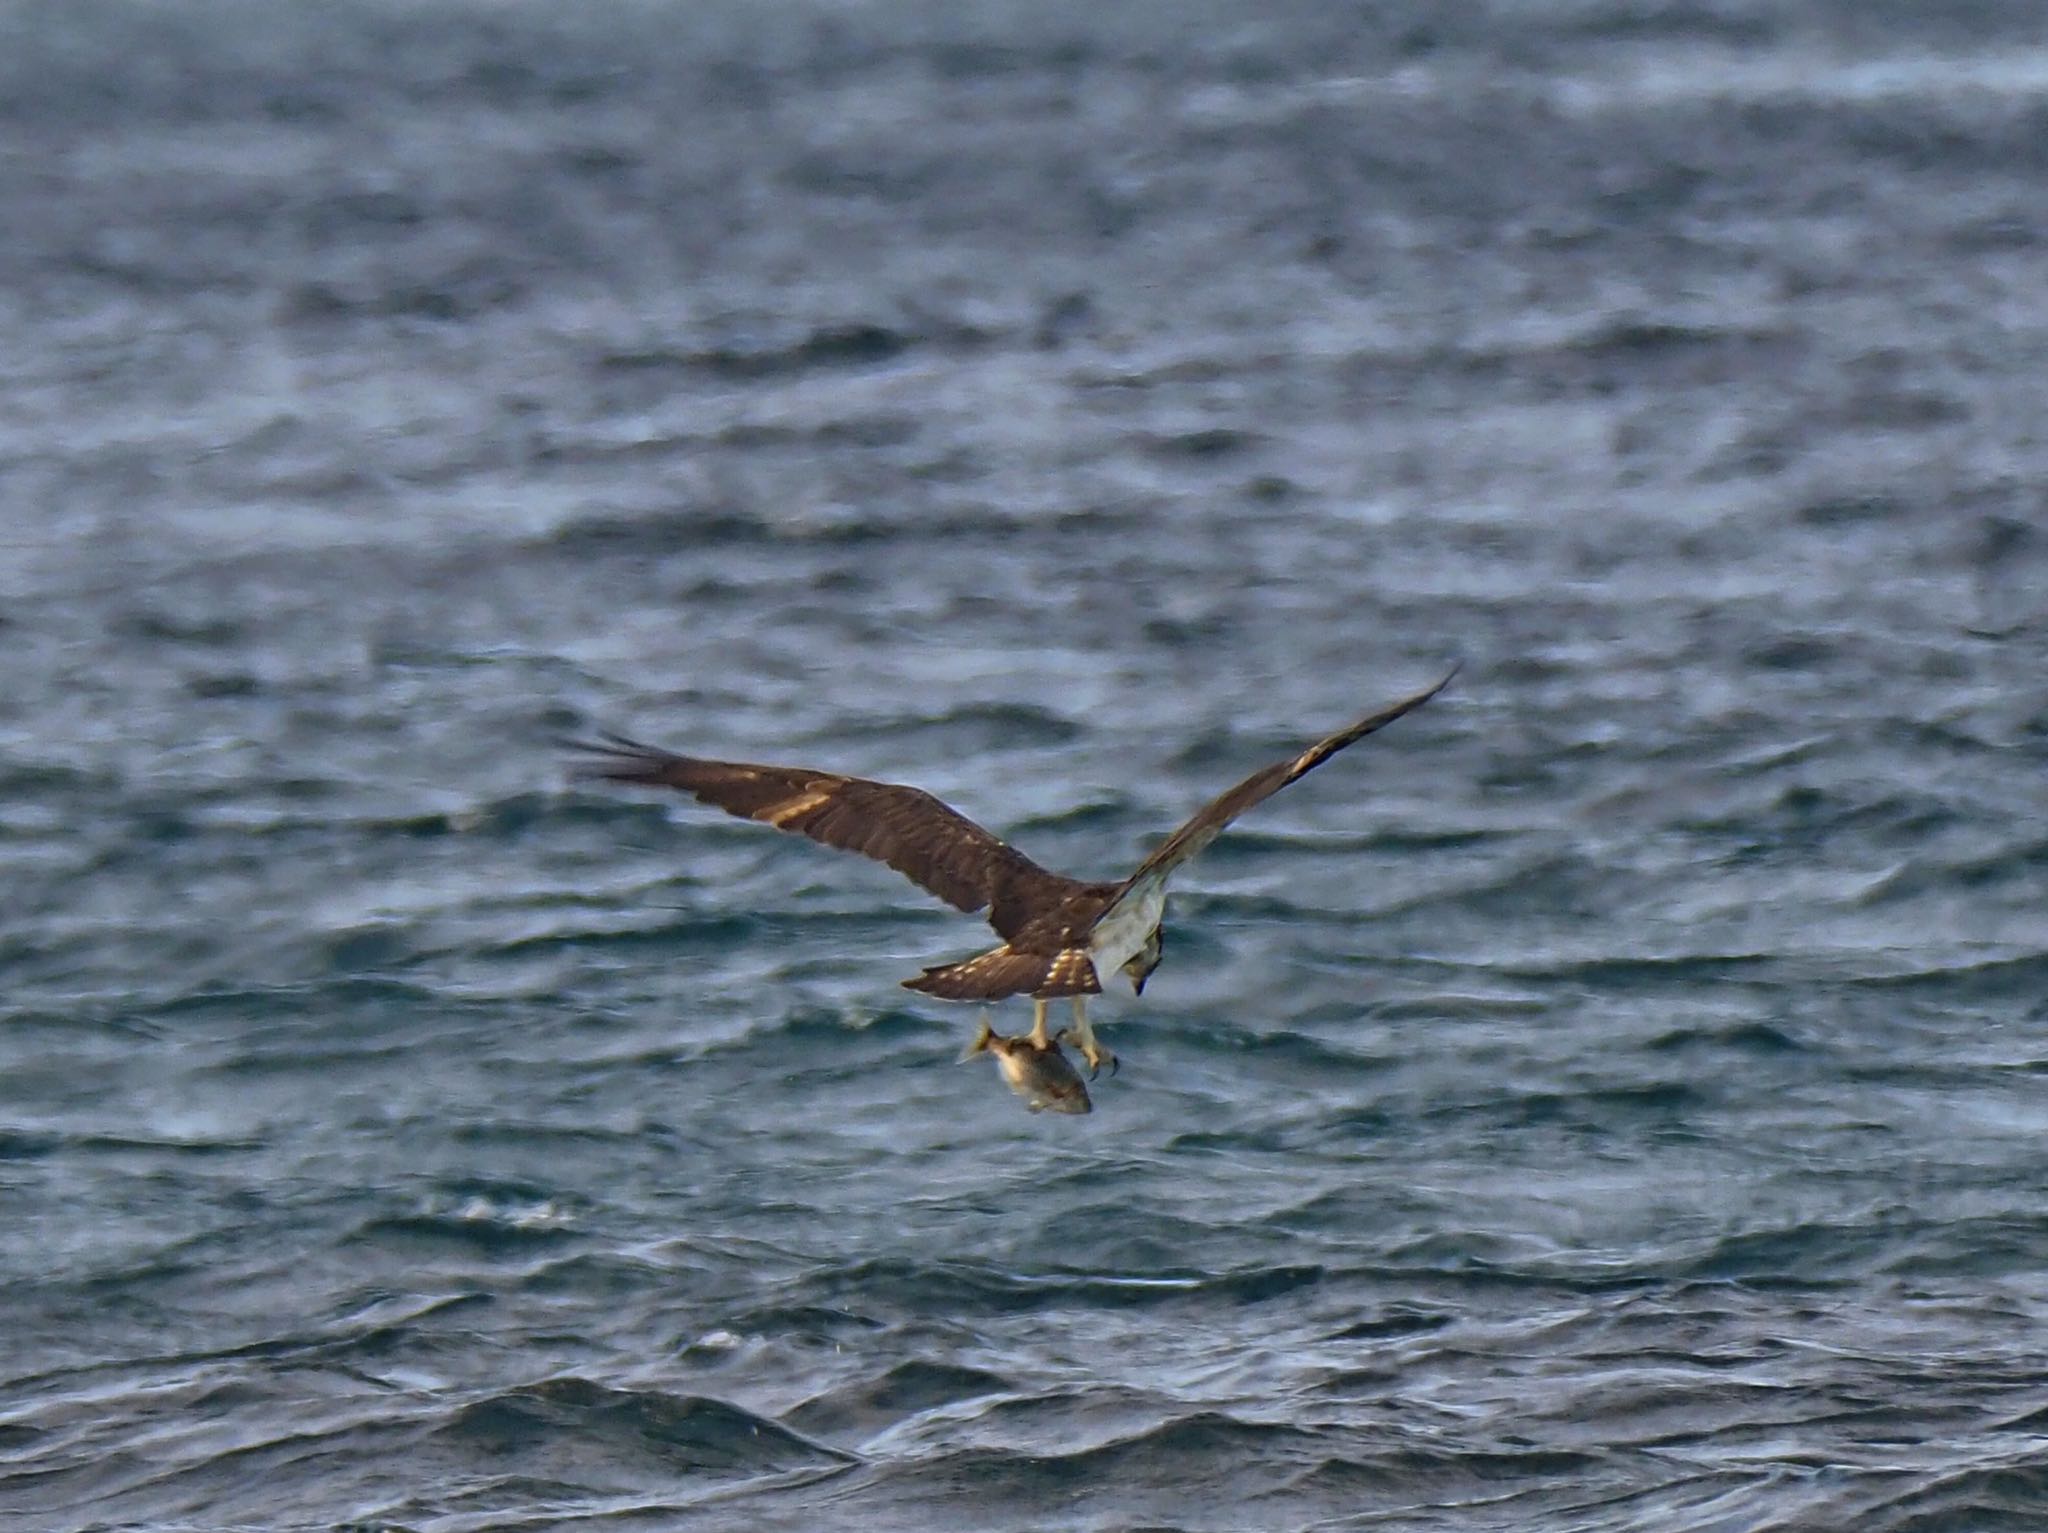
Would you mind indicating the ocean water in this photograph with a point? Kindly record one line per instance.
(1610, 1099)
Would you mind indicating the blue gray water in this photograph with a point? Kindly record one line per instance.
(1613, 1098)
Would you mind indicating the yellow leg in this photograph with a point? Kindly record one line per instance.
(1084, 1039)
(1037, 1037)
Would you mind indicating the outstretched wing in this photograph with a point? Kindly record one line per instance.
(934, 846)
(1208, 822)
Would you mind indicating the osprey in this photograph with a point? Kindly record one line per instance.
(1061, 936)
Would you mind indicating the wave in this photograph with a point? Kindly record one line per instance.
(865, 1405)
(558, 1427)
(859, 343)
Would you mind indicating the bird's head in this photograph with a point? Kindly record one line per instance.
(1139, 965)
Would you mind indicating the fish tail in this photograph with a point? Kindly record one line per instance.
(983, 1036)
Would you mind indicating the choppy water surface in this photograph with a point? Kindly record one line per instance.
(1610, 1099)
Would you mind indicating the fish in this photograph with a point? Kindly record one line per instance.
(1040, 1074)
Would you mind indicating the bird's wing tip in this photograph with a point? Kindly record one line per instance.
(610, 757)
(607, 743)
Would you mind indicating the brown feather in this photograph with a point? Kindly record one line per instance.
(933, 845)
(1004, 971)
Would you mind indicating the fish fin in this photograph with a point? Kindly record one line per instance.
(983, 1036)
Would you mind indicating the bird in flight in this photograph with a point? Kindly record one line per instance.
(1061, 936)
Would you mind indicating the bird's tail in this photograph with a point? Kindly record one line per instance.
(984, 1035)
(1003, 971)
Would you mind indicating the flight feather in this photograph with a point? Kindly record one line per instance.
(923, 838)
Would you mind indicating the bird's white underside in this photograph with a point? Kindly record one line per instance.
(1122, 931)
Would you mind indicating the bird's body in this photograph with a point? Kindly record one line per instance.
(1122, 931)
(1061, 936)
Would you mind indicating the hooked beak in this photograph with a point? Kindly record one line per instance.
(1138, 984)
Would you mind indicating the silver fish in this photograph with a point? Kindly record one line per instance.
(1041, 1076)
